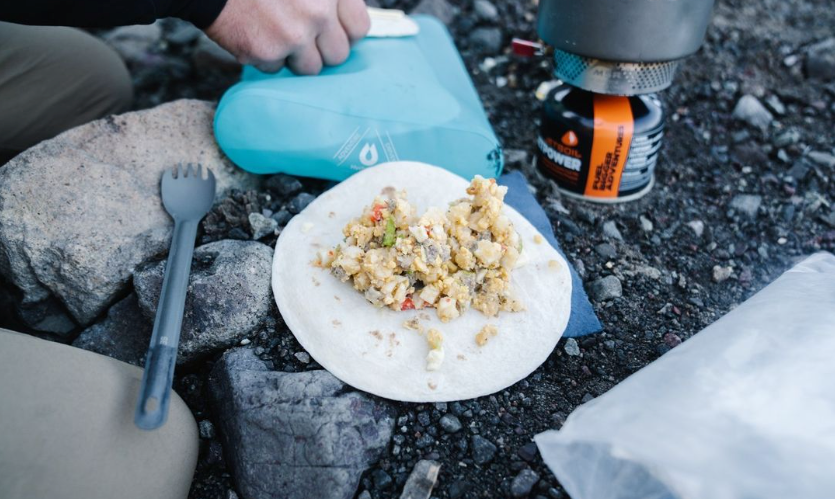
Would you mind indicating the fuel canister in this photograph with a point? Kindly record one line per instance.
(597, 147)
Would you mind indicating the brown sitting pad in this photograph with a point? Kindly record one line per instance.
(66, 428)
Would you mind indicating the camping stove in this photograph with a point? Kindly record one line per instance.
(622, 47)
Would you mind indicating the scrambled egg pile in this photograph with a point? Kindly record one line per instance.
(449, 261)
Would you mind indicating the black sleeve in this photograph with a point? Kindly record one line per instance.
(107, 13)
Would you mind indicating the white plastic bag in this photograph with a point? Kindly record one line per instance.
(745, 409)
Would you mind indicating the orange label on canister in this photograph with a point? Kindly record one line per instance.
(613, 127)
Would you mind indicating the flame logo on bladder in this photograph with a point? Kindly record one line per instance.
(569, 138)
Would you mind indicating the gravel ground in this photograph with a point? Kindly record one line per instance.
(734, 206)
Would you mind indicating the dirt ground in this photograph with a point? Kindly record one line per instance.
(752, 47)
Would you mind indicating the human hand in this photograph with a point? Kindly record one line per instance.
(306, 34)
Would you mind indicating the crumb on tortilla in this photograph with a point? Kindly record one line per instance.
(335, 322)
(414, 324)
(487, 332)
(306, 227)
(331, 215)
(553, 264)
(435, 357)
(432, 385)
(538, 239)
(376, 334)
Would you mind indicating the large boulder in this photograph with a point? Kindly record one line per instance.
(228, 296)
(78, 213)
(295, 435)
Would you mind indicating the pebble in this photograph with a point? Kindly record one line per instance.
(207, 429)
(787, 138)
(483, 450)
(284, 185)
(820, 60)
(572, 348)
(450, 423)
(606, 288)
(422, 480)
(750, 110)
(748, 204)
(486, 10)
(300, 202)
(721, 274)
(261, 226)
(672, 340)
(606, 250)
(822, 158)
(281, 217)
(486, 40)
(528, 451)
(775, 104)
(610, 230)
(303, 357)
(437, 8)
(646, 224)
(523, 483)
(382, 480)
(365, 495)
(698, 227)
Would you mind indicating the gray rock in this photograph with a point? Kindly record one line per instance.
(133, 43)
(646, 224)
(697, 226)
(281, 217)
(208, 56)
(749, 204)
(124, 334)
(523, 483)
(721, 274)
(486, 40)
(48, 316)
(571, 347)
(787, 138)
(382, 480)
(78, 213)
(485, 10)
(421, 480)
(820, 60)
(302, 357)
(775, 104)
(450, 423)
(483, 450)
(207, 429)
(438, 8)
(300, 435)
(181, 32)
(606, 250)
(300, 202)
(261, 225)
(822, 158)
(606, 288)
(229, 295)
(751, 111)
(283, 185)
(610, 230)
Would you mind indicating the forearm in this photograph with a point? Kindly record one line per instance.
(105, 13)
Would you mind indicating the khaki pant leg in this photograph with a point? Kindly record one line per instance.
(53, 79)
(66, 428)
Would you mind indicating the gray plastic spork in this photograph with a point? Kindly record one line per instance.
(187, 197)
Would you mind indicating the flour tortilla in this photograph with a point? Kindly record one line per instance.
(367, 347)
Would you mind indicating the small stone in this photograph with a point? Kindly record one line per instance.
(486, 40)
(365, 495)
(588, 397)
(748, 204)
(528, 451)
(571, 347)
(822, 158)
(646, 224)
(672, 340)
(421, 480)
(486, 10)
(450, 423)
(610, 230)
(133, 43)
(303, 357)
(261, 225)
(606, 288)
(231, 494)
(787, 138)
(775, 104)
(698, 227)
(721, 274)
(483, 450)
(750, 110)
(820, 60)
(382, 480)
(606, 250)
(207, 429)
(523, 483)
(209, 56)
(284, 185)
(300, 202)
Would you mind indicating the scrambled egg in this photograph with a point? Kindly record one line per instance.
(447, 260)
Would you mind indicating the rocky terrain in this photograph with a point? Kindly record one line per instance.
(744, 190)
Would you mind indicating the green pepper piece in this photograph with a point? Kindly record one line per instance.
(389, 236)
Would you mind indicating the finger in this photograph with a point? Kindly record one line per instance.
(333, 44)
(270, 67)
(306, 60)
(353, 16)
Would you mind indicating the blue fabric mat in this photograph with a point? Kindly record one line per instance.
(583, 321)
